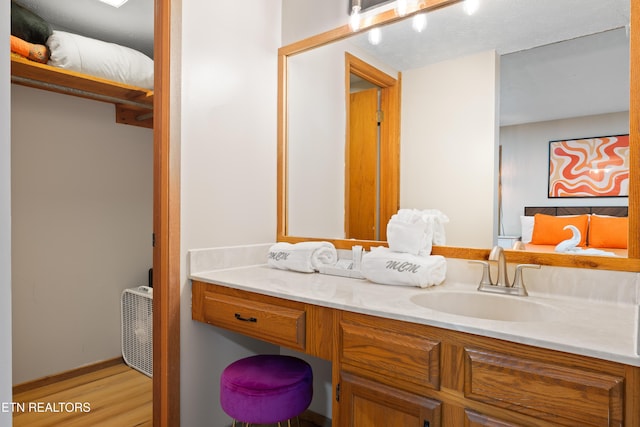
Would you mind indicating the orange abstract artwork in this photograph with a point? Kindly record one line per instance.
(589, 167)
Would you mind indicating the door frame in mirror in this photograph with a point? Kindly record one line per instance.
(388, 178)
(632, 263)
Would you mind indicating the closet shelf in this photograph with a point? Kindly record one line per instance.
(133, 105)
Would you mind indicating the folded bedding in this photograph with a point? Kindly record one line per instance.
(32, 51)
(544, 233)
(101, 59)
(28, 26)
(551, 249)
(304, 257)
(387, 267)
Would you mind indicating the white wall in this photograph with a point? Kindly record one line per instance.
(306, 18)
(5, 218)
(228, 166)
(82, 209)
(316, 142)
(317, 136)
(448, 159)
(525, 163)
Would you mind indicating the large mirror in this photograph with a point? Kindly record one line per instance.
(481, 97)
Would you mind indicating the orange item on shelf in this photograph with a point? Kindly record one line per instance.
(34, 52)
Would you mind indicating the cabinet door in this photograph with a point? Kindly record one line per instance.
(475, 419)
(365, 403)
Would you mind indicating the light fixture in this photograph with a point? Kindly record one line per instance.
(419, 22)
(401, 7)
(471, 6)
(114, 3)
(375, 36)
(354, 18)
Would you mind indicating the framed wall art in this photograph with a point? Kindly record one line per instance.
(589, 167)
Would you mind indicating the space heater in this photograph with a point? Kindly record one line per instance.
(137, 328)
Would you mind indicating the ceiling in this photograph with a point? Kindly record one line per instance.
(548, 70)
(129, 25)
(512, 27)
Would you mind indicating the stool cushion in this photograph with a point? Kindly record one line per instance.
(266, 388)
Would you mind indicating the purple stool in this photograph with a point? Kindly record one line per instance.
(266, 389)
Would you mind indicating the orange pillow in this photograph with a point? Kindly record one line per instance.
(608, 232)
(548, 229)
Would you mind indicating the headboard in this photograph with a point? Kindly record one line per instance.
(621, 211)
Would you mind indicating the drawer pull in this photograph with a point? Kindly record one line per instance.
(246, 319)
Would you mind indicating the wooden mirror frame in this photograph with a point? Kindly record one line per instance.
(631, 263)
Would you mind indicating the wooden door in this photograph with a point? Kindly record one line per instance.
(365, 403)
(362, 166)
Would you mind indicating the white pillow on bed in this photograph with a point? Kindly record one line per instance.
(100, 59)
(526, 228)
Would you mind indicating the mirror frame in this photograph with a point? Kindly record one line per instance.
(631, 263)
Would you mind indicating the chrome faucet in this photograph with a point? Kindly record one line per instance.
(502, 284)
(497, 254)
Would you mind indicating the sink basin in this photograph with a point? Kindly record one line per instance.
(487, 306)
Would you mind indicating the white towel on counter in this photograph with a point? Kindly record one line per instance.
(305, 257)
(416, 231)
(384, 266)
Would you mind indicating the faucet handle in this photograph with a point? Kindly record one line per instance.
(486, 274)
(518, 280)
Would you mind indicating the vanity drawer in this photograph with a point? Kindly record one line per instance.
(270, 322)
(560, 394)
(390, 352)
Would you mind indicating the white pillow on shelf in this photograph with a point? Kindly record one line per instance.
(100, 59)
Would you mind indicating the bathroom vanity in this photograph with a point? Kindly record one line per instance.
(398, 363)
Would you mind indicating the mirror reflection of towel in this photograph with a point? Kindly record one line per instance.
(416, 231)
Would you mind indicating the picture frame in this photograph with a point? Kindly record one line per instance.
(589, 167)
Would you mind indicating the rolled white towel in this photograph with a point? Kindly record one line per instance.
(412, 238)
(439, 220)
(305, 257)
(387, 267)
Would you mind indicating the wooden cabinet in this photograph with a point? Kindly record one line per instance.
(373, 404)
(388, 353)
(476, 381)
(544, 388)
(291, 324)
(391, 373)
(475, 419)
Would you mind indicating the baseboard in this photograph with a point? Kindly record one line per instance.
(51, 379)
(307, 417)
(316, 418)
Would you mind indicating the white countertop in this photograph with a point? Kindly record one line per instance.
(585, 326)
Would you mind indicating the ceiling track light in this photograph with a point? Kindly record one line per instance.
(375, 36)
(471, 6)
(114, 3)
(402, 6)
(354, 18)
(419, 22)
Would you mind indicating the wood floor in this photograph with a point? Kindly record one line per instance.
(116, 396)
